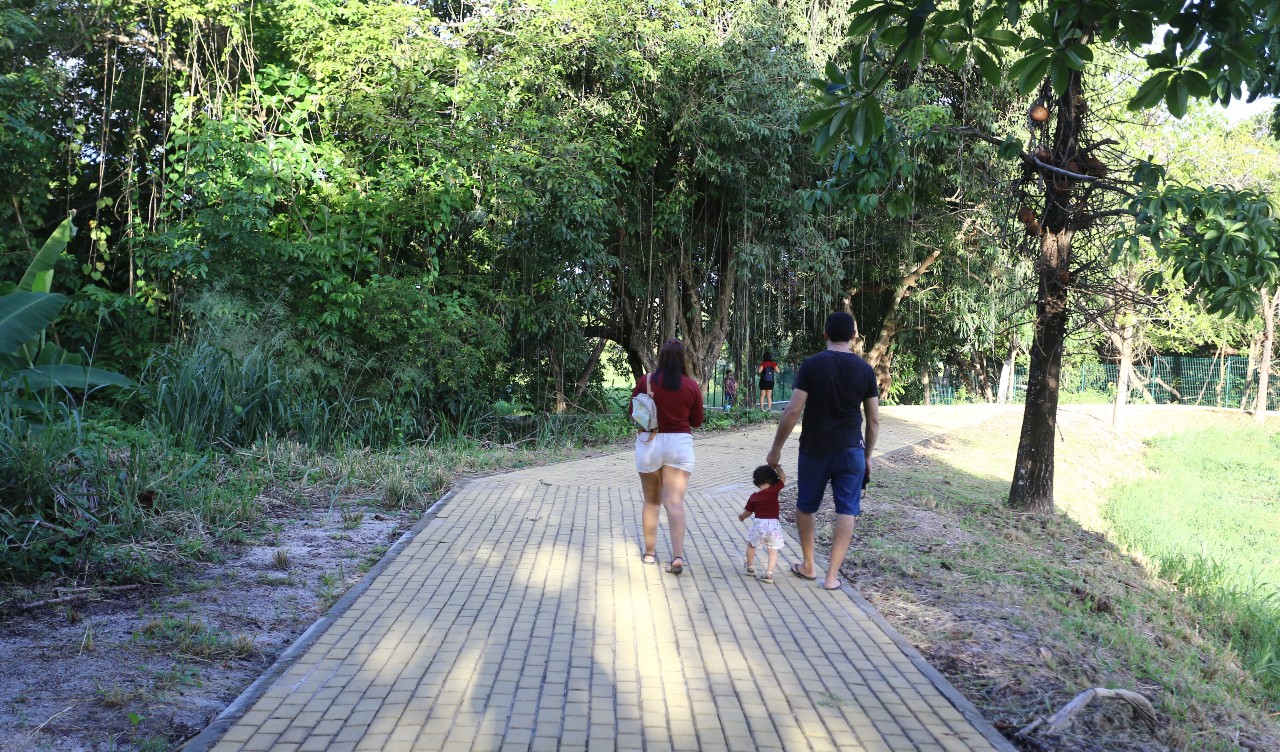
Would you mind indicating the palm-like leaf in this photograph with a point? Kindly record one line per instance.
(23, 315)
(65, 376)
(39, 276)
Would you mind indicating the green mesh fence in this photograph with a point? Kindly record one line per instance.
(1165, 380)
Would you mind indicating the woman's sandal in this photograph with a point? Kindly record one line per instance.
(649, 558)
(675, 568)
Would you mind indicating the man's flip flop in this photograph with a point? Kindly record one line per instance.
(839, 586)
(795, 569)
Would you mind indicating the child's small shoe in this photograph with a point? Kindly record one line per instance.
(751, 569)
(767, 578)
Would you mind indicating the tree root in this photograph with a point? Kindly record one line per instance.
(1142, 710)
(77, 595)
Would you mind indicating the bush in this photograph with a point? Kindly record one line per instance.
(109, 500)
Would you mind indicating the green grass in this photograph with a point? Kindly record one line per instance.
(1207, 517)
(190, 636)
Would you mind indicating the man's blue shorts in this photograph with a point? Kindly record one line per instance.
(843, 469)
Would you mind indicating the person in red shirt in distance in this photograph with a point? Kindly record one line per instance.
(768, 372)
(664, 458)
(766, 531)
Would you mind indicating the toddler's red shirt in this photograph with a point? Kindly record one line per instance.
(764, 504)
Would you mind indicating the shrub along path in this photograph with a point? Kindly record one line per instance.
(519, 616)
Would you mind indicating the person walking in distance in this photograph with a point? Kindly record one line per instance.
(767, 371)
(832, 389)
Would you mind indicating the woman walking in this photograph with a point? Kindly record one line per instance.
(768, 370)
(664, 458)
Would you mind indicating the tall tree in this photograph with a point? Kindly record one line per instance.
(1069, 178)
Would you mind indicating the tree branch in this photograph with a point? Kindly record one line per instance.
(149, 43)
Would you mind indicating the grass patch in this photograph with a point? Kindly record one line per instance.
(117, 696)
(1207, 517)
(192, 637)
(1022, 612)
(332, 586)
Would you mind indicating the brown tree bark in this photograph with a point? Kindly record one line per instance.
(1125, 345)
(1270, 311)
(1032, 487)
(880, 357)
(1007, 373)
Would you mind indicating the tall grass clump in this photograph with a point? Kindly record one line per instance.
(1207, 516)
(98, 498)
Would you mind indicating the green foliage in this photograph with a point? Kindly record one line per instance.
(1204, 53)
(34, 372)
(1221, 241)
(1224, 243)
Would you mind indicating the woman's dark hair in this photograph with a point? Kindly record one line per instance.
(767, 356)
(672, 364)
(764, 474)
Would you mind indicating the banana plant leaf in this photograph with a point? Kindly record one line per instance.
(39, 276)
(23, 315)
(52, 355)
(65, 376)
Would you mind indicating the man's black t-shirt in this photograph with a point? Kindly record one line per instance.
(837, 383)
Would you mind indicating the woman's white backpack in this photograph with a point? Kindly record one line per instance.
(644, 411)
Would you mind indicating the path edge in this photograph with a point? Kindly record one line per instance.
(211, 734)
(948, 690)
(940, 682)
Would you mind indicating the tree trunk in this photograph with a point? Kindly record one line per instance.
(880, 356)
(557, 371)
(1254, 343)
(1122, 379)
(1032, 486)
(705, 332)
(928, 388)
(983, 378)
(580, 388)
(1270, 310)
(1007, 372)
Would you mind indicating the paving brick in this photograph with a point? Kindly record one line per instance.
(521, 617)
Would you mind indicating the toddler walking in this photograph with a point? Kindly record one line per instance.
(766, 531)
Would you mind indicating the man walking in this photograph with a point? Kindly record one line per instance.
(832, 389)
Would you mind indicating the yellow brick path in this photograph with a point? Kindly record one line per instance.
(520, 617)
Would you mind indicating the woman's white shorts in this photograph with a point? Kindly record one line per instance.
(664, 450)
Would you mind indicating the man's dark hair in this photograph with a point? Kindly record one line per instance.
(840, 327)
(764, 474)
(672, 364)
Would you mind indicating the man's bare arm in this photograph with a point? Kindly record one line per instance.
(786, 424)
(871, 406)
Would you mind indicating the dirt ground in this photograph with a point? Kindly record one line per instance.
(147, 668)
(937, 579)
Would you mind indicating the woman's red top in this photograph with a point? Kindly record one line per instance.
(764, 504)
(679, 411)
